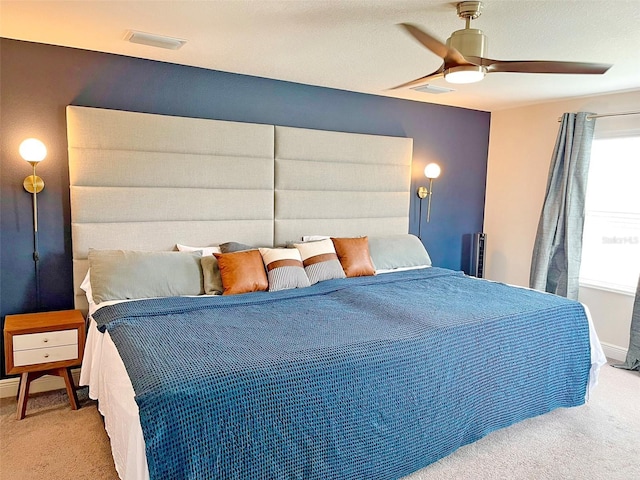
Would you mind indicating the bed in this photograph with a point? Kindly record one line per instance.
(375, 373)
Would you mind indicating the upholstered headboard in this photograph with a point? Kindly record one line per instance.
(340, 184)
(146, 182)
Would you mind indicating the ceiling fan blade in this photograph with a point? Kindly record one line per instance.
(432, 76)
(450, 55)
(541, 66)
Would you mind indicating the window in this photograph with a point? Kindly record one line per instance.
(611, 239)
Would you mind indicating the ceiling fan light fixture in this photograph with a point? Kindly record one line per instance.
(464, 74)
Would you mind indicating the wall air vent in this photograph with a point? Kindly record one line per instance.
(154, 40)
(432, 89)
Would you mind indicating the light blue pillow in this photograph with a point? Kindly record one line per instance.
(126, 274)
(390, 252)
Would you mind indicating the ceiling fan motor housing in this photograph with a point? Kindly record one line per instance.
(470, 42)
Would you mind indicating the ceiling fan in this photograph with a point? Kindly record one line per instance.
(464, 55)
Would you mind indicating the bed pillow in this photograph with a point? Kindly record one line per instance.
(320, 260)
(354, 257)
(391, 252)
(284, 268)
(314, 238)
(242, 272)
(212, 281)
(125, 274)
(205, 251)
(230, 247)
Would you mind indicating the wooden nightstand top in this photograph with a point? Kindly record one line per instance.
(43, 321)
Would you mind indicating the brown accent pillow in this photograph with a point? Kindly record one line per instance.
(354, 257)
(242, 272)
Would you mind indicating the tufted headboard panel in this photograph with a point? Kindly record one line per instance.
(146, 182)
(340, 184)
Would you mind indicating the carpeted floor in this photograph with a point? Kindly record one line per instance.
(597, 441)
(54, 442)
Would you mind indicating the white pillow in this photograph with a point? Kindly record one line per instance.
(314, 238)
(205, 251)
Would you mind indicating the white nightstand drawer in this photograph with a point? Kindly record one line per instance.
(57, 338)
(45, 355)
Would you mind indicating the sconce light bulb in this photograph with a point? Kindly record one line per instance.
(33, 150)
(432, 170)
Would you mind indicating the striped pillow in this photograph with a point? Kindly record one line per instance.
(320, 260)
(284, 268)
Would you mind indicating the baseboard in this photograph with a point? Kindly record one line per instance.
(9, 386)
(614, 352)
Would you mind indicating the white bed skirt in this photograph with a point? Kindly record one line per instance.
(109, 384)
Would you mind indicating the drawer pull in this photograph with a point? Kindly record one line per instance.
(46, 355)
(45, 340)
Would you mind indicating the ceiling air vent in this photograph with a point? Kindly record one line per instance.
(432, 89)
(154, 40)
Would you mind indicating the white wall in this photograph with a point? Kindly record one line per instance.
(611, 313)
(521, 143)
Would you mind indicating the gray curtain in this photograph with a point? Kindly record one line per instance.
(633, 354)
(555, 265)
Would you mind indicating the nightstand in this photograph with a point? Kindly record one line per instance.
(48, 343)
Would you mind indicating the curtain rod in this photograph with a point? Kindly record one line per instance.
(591, 117)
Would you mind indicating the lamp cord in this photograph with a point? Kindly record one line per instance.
(420, 220)
(36, 262)
(36, 254)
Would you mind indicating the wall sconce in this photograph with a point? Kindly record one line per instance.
(34, 151)
(431, 171)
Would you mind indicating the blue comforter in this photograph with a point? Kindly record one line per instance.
(364, 378)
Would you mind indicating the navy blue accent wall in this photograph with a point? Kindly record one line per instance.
(38, 81)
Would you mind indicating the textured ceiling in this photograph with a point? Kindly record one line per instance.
(355, 44)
